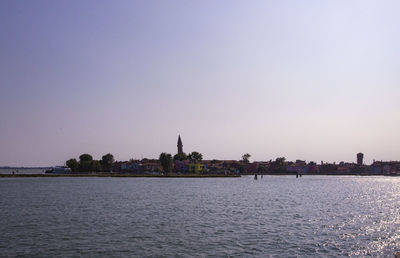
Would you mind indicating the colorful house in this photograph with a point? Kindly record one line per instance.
(180, 166)
(196, 168)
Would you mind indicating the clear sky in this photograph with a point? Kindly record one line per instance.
(313, 80)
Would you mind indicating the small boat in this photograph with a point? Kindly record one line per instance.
(58, 170)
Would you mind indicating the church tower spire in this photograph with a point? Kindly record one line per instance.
(180, 146)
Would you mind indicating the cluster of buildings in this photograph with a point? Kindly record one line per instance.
(388, 168)
(279, 166)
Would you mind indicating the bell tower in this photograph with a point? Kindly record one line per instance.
(360, 157)
(180, 146)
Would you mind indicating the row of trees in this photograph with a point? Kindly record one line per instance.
(86, 163)
(166, 159)
(277, 166)
(193, 157)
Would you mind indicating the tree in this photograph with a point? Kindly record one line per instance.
(245, 158)
(214, 161)
(195, 157)
(280, 161)
(95, 166)
(85, 158)
(280, 164)
(261, 170)
(180, 156)
(107, 162)
(166, 162)
(73, 164)
(85, 161)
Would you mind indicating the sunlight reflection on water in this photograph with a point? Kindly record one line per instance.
(277, 215)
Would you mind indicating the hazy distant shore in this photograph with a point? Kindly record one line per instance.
(117, 175)
(174, 175)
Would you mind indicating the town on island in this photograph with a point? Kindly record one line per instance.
(193, 165)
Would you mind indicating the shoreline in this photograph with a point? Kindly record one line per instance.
(117, 175)
(176, 175)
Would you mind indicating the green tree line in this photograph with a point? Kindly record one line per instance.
(86, 163)
(167, 161)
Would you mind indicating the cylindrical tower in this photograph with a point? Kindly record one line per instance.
(360, 157)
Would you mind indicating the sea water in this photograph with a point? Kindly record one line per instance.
(277, 216)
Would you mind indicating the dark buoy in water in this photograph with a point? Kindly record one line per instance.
(255, 177)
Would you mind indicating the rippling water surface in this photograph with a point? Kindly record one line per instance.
(180, 217)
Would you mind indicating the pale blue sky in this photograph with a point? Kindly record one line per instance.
(314, 80)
